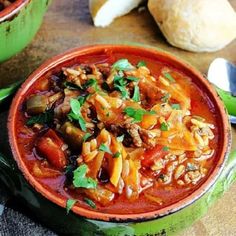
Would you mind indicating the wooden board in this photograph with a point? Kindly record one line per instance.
(68, 24)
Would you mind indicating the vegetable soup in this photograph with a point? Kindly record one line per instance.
(118, 134)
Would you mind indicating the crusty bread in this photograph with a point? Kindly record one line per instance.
(195, 25)
(105, 11)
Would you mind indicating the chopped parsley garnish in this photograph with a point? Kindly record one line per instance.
(90, 202)
(137, 114)
(75, 113)
(69, 204)
(122, 65)
(175, 106)
(89, 83)
(141, 63)
(164, 126)
(136, 95)
(119, 84)
(104, 148)
(165, 148)
(165, 98)
(169, 77)
(80, 180)
(120, 138)
(116, 155)
(132, 78)
(86, 136)
(44, 118)
(71, 86)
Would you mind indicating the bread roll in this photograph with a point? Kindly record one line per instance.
(105, 11)
(195, 25)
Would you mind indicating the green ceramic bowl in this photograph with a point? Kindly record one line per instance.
(18, 24)
(54, 215)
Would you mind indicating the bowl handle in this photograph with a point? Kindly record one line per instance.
(228, 175)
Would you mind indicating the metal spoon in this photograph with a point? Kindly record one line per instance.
(222, 74)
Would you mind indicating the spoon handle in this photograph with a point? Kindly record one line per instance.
(9, 90)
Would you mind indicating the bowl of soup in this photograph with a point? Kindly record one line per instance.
(19, 22)
(120, 136)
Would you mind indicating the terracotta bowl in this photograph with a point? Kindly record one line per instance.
(19, 22)
(75, 55)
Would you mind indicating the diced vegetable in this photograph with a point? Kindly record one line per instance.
(100, 194)
(69, 204)
(73, 135)
(152, 155)
(50, 147)
(37, 104)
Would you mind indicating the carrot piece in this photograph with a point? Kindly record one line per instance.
(152, 155)
(148, 121)
(50, 147)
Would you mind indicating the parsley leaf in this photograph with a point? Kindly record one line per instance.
(75, 113)
(90, 202)
(104, 148)
(69, 204)
(80, 180)
(86, 136)
(123, 90)
(122, 64)
(164, 126)
(175, 106)
(137, 114)
(141, 63)
(44, 118)
(132, 78)
(71, 86)
(136, 95)
(89, 83)
(120, 138)
(165, 148)
(116, 155)
(169, 77)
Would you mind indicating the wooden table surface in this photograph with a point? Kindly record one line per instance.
(68, 24)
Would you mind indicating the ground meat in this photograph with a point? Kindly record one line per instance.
(133, 130)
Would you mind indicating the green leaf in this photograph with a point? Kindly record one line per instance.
(86, 136)
(132, 78)
(116, 155)
(175, 106)
(123, 90)
(165, 98)
(136, 96)
(169, 77)
(71, 86)
(80, 180)
(104, 148)
(75, 113)
(90, 202)
(165, 148)
(120, 138)
(164, 126)
(137, 114)
(89, 83)
(69, 204)
(141, 63)
(43, 118)
(122, 64)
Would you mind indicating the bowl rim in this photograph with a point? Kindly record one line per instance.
(13, 9)
(137, 217)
